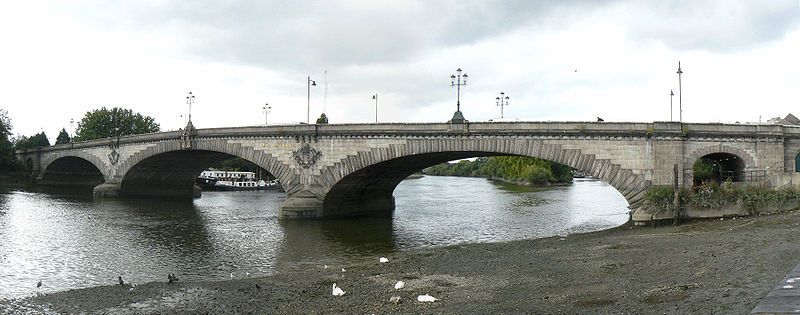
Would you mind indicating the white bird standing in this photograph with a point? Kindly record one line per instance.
(426, 298)
(399, 285)
(337, 291)
(383, 259)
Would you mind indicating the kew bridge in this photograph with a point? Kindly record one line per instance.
(333, 170)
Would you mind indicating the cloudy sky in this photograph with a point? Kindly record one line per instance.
(557, 60)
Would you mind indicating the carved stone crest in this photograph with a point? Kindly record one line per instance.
(113, 157)
(307, 156)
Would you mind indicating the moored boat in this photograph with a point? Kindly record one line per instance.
(234, 180)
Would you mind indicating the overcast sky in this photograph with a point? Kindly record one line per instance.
(556, 60)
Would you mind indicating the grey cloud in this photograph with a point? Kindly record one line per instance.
(717, 26)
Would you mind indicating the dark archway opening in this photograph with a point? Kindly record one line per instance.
(718, 168)
(797, 163)
(71, 171)
(171, 175)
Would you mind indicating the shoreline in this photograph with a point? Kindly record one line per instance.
(705, 266)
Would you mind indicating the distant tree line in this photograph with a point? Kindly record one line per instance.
(512, 168)
(99, 123)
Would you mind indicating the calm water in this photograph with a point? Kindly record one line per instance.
(72, 242)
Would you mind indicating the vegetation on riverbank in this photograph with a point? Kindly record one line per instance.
(519, 169)
(714, 196)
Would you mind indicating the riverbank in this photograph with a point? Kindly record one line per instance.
(17, 179)
(712, 266)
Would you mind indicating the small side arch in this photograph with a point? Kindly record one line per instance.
(71, 171)
(749, 162)
(797, 162)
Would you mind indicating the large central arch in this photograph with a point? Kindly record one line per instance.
(362, 184)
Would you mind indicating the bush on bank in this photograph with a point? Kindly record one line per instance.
(715, 196)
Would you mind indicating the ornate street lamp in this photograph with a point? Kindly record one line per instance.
(190, 101)
(501, 101)
(375, 97)
(456, 80)
(671, 94)
(308, 105)
(266, 112)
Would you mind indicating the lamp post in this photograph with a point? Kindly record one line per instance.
(266, 112)
(680, 94)
(501, 101)
(375, 97)
(308, 105)
(456, 80)
(671, 94)
(190, 101)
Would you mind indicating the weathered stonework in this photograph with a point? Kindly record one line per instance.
(352, 169)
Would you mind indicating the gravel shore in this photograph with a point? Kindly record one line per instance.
(704, 267)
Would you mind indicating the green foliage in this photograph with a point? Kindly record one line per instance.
(63, 137)
(705, 170)
(8, 160)
(104, 123)
(514, 168)
(37, 140)
(323, 119)
(715, 196)
(537, 174)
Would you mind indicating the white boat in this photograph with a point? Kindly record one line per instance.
(233, 180)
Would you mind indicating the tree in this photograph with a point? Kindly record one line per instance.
(8, 160)
(323, 119)
(104, 123)
(37, 140)
(63, 137)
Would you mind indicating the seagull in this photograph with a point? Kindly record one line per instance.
(337, 291)
(325, 266)
(399, 285)
(395, 299)
(231, 275)
(120, 281)
(343, 270)
(426, 298)
(383, 259)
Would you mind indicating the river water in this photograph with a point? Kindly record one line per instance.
(74, 242)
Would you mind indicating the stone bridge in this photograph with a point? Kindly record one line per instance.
(352, 169)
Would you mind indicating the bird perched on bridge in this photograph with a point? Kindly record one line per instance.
(120, 281)
(600, 119)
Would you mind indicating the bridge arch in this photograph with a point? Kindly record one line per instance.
(166, 169)
(73, 163)
(364, 182)
(744, 159)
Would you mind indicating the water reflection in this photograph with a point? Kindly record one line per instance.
(73, 241)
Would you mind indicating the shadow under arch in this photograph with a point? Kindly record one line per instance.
(722, 167)
(369, 190)
(71, 171)
(170, 174)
